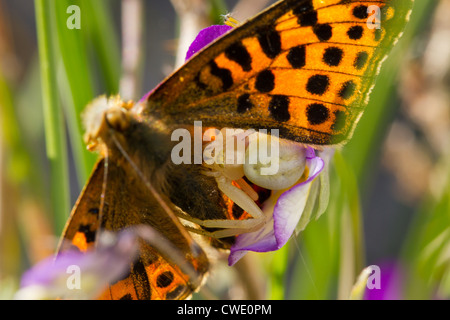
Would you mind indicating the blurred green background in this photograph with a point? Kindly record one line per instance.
(390, 186)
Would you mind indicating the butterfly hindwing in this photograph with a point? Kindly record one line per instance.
(305, 67)
(81, 229)
(128, 203)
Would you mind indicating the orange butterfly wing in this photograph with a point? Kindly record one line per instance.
(304, 67)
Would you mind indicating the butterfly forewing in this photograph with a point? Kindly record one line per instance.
(305, 67)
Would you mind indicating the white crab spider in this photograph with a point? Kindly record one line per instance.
(278, 169)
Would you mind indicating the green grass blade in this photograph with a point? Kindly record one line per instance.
(103, 36)
(218, 8)
(78, 90)
(19, 170)
(54, 124)
(351, 240)
(427, 247)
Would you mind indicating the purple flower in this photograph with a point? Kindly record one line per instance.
(390, 283)
(284, 210)
(205, 37)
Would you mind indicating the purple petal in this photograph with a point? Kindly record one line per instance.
(46, 270)
(390, 283)
(283, 217)
(310, 153)
(109, 262)
(262, 240)
(290, 205)
(205, 37)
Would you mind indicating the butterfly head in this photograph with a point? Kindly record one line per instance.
(105, 114)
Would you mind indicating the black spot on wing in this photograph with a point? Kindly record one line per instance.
(270, 41)
(347, 90)
(265, 81)
(361, 60)
(94, 211)
(223, 74)
(360, 12)
(238, 53)
(279, 108)
(88, 233)
(140, 281)
(318, 84)
(244, 103)
(317, 113)
(355, 32)
(164, 279)
(323, 32)
(126, 296)
(339, 121)
(333, 56)
(297, 57)
(306, 14)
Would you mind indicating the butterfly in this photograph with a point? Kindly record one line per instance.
(304, 67)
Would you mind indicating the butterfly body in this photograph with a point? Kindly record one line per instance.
(304, 67)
